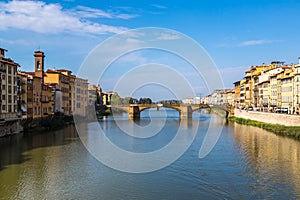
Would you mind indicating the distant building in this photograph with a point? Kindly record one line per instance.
(189, 100)
(94, 95)
(220, 97)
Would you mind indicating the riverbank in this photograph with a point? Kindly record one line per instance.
(289, 131)
(269, 118)
(53, 122)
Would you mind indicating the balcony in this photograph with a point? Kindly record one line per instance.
(8, 116)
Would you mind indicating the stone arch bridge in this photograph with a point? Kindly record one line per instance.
(185, 110)
(134, 110)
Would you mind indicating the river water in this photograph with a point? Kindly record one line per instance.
(246, 163)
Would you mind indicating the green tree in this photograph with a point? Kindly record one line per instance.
(115, 99)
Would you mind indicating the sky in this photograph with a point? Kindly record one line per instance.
(235, 33)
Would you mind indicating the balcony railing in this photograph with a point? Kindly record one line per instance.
(7, 116)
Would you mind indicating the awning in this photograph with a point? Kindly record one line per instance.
(23, 108)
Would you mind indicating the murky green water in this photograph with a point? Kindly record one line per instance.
(246, 163)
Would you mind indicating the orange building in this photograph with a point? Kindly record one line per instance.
(62, 81)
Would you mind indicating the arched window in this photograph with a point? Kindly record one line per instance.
(38, 65)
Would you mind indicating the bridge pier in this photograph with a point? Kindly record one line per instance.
(186, 112)
(134, 112)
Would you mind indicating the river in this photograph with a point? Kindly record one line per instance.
(246, 163)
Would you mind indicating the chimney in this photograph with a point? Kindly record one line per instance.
(298, 60)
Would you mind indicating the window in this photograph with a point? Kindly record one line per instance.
(3, 107)
(9, 89)
(9, 79)
(3, 87)
(9, 98)
(3, 97)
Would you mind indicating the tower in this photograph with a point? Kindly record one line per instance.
(39, 64)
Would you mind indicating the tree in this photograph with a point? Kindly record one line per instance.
(145, 101)
(115, 99)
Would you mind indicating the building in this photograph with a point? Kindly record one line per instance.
(60, 82)
(296, 86)
(237, 95)
(189, 100)
(94, 95)
(37, 102)
(220, 97)
(230, 97)
(242, 93)
(10, 109)
(287, 93)
(81, 96)
(23, 79)
(106, 97)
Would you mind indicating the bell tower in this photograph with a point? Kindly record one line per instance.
(39, 64)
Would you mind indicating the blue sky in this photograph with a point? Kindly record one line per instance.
(236, 33)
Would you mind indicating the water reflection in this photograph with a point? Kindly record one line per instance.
(274, 160)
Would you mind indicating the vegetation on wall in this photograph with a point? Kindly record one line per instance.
(290, 131)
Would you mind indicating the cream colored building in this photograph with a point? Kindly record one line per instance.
(297, 88)
(287, 83)
(10, 106)
(81, 96)
(8, 94)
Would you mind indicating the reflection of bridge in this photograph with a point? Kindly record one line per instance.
(134, 110)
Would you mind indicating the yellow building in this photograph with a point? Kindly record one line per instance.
(71, 78)
(61, 81)
(287, 93)
(237, 95)
(242, 93)
(248, 89)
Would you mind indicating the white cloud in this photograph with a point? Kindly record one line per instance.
(255, 42)
(158, 6)
(41, 17)
(14, 42)
(87, 12)
(168, 36)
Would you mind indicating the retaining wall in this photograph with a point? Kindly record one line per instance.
(271, 118)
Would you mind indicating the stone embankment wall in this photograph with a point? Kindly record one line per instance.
(271, 118)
